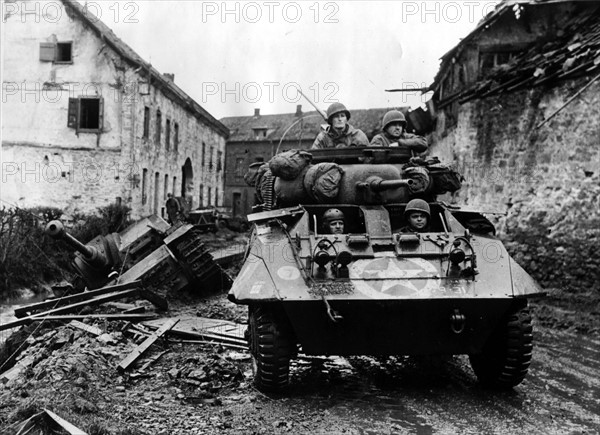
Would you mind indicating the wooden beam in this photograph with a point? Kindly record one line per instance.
(73, 307)
(52, 303)
(87, 328)
(138, 351)
(71, 429)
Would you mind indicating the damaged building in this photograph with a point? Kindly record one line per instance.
(517, 106)
(87, 122)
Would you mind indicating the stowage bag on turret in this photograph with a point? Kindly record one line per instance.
(291, 192)
(322, 181)
(289, 164)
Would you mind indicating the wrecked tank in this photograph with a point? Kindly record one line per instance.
(375, 290)
(150, 250)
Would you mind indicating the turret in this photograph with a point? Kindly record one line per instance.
(95, 260)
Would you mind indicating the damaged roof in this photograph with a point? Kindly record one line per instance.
(157, 79)
(574, 52)
(305, 126)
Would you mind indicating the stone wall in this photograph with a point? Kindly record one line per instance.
(546, 180)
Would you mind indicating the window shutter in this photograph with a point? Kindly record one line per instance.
(100, 113)
(73, 113)
(47, 51)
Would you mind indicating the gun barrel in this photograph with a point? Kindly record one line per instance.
(377, 184)
(56, 230)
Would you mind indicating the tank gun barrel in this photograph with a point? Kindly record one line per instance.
(377, 184)
(56, 230)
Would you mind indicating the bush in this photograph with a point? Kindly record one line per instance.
(30, 258)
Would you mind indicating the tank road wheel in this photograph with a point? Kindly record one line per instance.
(505, 359)
(272, 347)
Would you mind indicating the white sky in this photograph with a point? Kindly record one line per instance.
(254, 52)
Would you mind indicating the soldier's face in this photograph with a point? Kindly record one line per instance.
(336, 227)
(339, 120)
(417, 220)
(395, 129)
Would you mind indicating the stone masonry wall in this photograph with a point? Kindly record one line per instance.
(546, 180)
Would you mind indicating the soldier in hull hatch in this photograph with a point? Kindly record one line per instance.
(339, 133)
(394, 134)
(417, 215)
(333, 221)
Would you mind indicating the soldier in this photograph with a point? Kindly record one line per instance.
(393, 134)
(339, 133)
(173, 209)
(417, 214)
(333, 221)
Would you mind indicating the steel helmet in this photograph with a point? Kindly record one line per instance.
(337, 108)
(333, 214)
(393, 116)
(417, 205)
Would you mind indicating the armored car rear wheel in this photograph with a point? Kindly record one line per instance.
(271, 346)
(506, 356)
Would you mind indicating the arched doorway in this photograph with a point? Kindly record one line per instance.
(187, 182)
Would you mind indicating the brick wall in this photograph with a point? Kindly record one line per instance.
(546, 180)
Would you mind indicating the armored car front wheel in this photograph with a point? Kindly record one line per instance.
(506, 356)
(272, 347)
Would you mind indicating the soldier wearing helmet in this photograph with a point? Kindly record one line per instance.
(394, 134)
(333, 221)
(417, 215)
(339, 133)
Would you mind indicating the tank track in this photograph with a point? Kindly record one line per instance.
(198, 264)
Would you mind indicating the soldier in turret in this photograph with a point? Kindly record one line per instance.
(339, 133)
(333, 221)
(417, 214)
(394, 134)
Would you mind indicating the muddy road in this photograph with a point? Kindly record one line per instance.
(561, 395)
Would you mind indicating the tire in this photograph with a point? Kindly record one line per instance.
(506, 356)
(272, 346)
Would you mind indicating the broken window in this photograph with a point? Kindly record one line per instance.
(146, 122)
(168, 135)
(176, 137)
(201, 198)
(158, 127)
(203, 154)
(219, 158)
(489, 60)
(210, 158)
(60, 52)
(85, 114)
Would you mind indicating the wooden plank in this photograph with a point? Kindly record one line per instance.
(73, 307)
(117, 316)
(87, 328)
(138, 351)
(22, 311)
(73, 430)
(153, 360)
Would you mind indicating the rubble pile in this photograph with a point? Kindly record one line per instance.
(74, 373)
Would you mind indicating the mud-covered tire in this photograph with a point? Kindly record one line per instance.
(506, 356)
(272, 346)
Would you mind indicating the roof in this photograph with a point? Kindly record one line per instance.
(304, 127)
(491, 18)
(574, 52)
(127, 53)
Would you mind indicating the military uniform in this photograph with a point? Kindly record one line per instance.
(413, 142)
(331, 138)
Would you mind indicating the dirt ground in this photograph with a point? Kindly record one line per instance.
(207, 388)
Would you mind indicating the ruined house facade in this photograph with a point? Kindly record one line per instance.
(87, 122)
(518, 108)
(257, 138)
